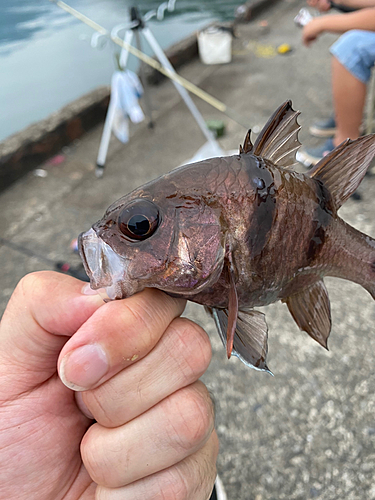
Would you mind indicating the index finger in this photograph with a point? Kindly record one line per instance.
(45, 309)
(116, 335)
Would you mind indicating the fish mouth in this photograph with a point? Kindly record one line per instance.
(109, 272)
(104, 267)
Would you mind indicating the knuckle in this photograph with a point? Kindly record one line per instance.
(94, 459)
(192, 348)
(34, 284)
(94, 402)
(192, 415)
(172, 486)
(169, 307)
(194, 477)
(103, 493)
(153, 319)
(167, 485)
(207, 471)
(137, 317)
(204, 480)
(134, 315)
(30, 282)
(201, 467)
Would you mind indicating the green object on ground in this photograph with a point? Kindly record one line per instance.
(216, 126)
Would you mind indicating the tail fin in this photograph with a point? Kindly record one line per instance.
(354, 257)
(341, 172)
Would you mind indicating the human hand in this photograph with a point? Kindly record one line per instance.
(322, 5)
(154, 434)
(312, 30)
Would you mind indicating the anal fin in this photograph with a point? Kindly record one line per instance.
(311, 311)
(250, 337)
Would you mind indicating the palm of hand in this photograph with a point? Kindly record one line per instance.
(43, 439)
(41, 426)
(39, 444)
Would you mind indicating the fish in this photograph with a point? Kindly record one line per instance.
(238, 232)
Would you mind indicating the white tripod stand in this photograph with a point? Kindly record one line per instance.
(138, 27)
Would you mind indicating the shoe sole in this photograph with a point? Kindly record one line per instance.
(322, 132)
(306, 159)
(326, 133)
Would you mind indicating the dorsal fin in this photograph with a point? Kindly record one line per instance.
(247, 145)
(343, 169)
(278, 140)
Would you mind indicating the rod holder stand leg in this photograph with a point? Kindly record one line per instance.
(99, 171)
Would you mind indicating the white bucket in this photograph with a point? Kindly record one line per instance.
(215, 46)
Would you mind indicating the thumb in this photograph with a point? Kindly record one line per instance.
(44, 311)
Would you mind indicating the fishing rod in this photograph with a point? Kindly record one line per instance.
(223, 108)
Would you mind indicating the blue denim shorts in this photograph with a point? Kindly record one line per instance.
(355, 50)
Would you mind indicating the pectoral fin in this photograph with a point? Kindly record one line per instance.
(312, 312)
(250, 337)
(232, 313)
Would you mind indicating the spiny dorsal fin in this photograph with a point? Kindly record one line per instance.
(343, 169)
(312, 312)
(278, 140)
(247, 145)
(250, 339)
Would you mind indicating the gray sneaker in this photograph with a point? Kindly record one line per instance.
(310, 156)
(323, 128)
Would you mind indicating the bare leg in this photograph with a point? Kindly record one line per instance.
(349, 96)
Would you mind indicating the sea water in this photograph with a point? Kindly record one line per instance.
(46, 57)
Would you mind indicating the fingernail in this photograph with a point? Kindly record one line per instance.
(87, 290)
(82, 368)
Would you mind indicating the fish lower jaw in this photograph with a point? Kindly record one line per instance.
(114, 292)
(121, 290)
(109, 293)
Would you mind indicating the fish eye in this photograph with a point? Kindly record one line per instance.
(139, 220)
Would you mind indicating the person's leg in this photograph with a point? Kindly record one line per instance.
(353, 58)
(349, 95)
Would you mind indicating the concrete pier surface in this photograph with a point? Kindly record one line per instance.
(309, 431)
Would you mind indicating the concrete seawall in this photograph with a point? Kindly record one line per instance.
(30, 147)
(27, 149)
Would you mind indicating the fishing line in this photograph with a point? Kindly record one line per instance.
(26, 251)
(233, 115)
(64, 267)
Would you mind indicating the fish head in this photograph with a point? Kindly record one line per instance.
(155, 237)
